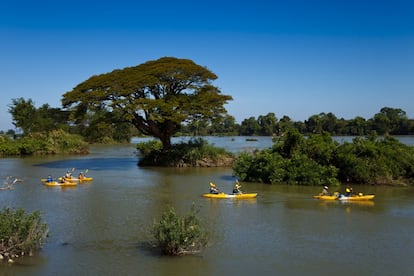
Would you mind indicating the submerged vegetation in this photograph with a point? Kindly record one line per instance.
(318, 160)
(195, 153)
(20, 233)
(176, 235)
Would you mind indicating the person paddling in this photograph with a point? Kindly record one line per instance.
(325, 191)
(81, 176)
(68, 175)
(213, 188)
(236, 188)
(348, 191)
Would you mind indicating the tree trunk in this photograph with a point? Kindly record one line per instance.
(166, 141)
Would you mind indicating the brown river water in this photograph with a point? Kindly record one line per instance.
(102, 227)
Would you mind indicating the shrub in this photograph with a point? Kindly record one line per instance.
(21, 233)
(176, 235)
(145, 148)
(53, 142)
(182, 154)
(318, 160)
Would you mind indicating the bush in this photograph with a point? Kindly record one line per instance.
(145, 148)
(176, 235)
(21, 233)
(182, 154)
(53, 142)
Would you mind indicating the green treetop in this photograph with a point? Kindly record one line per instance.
(157, 97)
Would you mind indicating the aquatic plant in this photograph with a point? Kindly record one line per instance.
(21, 233)
(176, 235)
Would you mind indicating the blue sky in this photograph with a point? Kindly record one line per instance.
(296, 58)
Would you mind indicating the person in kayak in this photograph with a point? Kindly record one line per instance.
(325, 191)
(81, 176)
(49, 178)
(236, 188)
(68, 175)
(348, 191)
(213, 188)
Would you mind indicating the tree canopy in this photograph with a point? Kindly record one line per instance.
(31, 119)
(157, 97)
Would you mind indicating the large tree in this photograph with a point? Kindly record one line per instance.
(31, 119)
(156, 96)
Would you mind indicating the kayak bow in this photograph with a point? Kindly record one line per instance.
(356, 197)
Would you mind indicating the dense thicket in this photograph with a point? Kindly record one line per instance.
(20, 233)
(318, 159)
(52, 142)
(195, 153)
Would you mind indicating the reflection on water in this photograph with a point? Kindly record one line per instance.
(101, 227)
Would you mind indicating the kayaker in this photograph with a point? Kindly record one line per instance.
(236, 188)
(213, 188)
(49, 178)
(68, 175)
(348, 191)
(325, 190)
(81, 176)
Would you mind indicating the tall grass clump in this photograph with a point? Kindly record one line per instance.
(176, 235)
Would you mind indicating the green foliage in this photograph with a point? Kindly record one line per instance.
(23, 113)
(31, 119)
(387, 121)
(104, 127)
(249, 127)
(267, 124)
(290, 144)
(20, 232)
(176, 235)
(53, 142)
(182, 154)
(319, 160)
(305, 171)
(271, 167)
(145, 148)
(375, 161)
(157, 97)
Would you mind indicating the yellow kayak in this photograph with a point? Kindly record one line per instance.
(235, 196)
(326, 197)
(356, 197)
(85, 179)
(61, 184)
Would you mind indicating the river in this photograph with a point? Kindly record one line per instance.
(102, 227)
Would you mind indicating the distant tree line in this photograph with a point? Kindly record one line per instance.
(104, 126)
(389, 121)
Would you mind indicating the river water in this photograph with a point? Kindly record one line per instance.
(102, 227)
